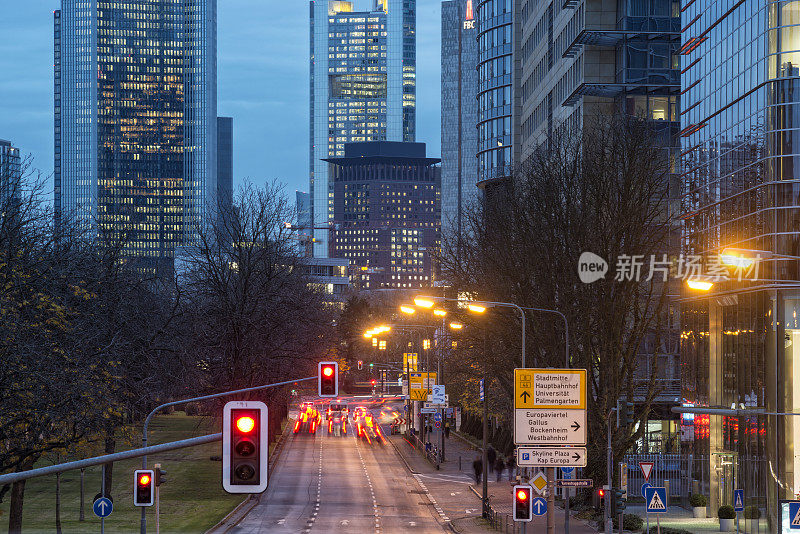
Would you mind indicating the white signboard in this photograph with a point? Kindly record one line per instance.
(437, 394)
(550, 427)
(551, 456)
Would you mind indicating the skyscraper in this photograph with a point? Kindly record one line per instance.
(387, 213)
(135, 121)
(459, 113)
(363, 87)
(10, 171)
(225, 162)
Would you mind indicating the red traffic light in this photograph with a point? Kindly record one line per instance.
(245, 424)
(144, 480)
(522, 495)
(327, 370)
(601, 492)
(373, 381)
(328, 379)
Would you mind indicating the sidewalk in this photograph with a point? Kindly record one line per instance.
(456, 497)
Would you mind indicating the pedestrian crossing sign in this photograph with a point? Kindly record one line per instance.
(656, 499)
(738, 500)
(794, 515)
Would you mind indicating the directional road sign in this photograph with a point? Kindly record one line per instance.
(410, 361)
(102, 507)
(656, 500)
(437, 394)
(550, 427)
(647, 468)
(481, 389)
(794, 515)
(539, 506)
(738, 500)
(550, 388)
(644, 488)
(427, 410)
(551, 456)
(575, 483)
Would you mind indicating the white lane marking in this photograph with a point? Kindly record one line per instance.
(430, 497)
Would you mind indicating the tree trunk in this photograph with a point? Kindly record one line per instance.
(58, 503)
(17, 495)
(110, 448)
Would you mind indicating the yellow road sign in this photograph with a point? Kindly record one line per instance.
(418, 394)
(563, 389)
(410, 361)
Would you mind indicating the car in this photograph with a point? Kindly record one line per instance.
(307, 419)
(337, 425)
(368, 428)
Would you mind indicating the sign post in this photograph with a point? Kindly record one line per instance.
(738, 504)
(656, 501)
(550, 414)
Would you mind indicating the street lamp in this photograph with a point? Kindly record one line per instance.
(699, 285)
(476, 308)
(423, 302)
(439, 313)
(407, 310)
(456, 325)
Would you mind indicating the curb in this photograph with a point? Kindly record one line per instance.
(243, 508)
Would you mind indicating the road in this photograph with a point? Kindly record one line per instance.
(323, 483)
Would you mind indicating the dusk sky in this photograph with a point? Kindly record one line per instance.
(262, 78)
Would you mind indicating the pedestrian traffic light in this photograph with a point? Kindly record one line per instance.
(523, 503)
(143, 487)
(360, 365)
(328, 379)
(373, 382)
(159, 475)
(245, 440)
(619, 500)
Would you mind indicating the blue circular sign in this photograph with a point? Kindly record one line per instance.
(644, 487)
(567, 470)
(539, 506)
(103, 507)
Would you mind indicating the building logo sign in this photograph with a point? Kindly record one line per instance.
(469, 20)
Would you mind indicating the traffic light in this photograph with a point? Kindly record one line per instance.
(373, 382)
(619, 500)
(523, 503)
(328, 379)
(143, 487)
(159, 475)
(360, 365)
(244, 447)
(629, 414)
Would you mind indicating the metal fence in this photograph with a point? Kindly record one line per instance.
(683, 475)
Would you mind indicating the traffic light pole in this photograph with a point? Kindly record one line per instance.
(143, 527)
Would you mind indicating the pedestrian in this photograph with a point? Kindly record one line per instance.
(447, 430)
(491, 455)
(512, 467)
(477, 466)
(499, 466)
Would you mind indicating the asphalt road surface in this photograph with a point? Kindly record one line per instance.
(324, 483)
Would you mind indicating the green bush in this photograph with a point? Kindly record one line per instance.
(669, 530)
(698, 500)
(630, 522)
(752, 512)
(726, 512)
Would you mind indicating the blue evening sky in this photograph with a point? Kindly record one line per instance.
(262, 76)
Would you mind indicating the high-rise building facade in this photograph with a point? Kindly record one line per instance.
(135, 120)
(363, 87)
(497, 80)
(387, 213)
(459, 114)
(741, 339)
(225, 162)
(10, 172)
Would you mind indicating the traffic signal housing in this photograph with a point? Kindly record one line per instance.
(159, 475)
(360, 365)
(143, 487)
(523, 503)
(245, 442)
(619, 501)
(328, 379)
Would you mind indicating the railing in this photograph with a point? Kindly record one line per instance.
(432, 453)
(676, 468)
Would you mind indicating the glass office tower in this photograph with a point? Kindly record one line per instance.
(10, 172)
(741, 154)
(363, 88)
(459, 114)
(135, 121)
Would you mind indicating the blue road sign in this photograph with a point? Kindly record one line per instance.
(567, 470)
(794, 515)
(539, 506)
(103, 507)
(644, 488)
(481, 389)
(738, 500)
(437, 416)
(656, 500)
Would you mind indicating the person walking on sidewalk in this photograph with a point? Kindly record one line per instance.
(477, 466)
(491, 455)
(512, 467)
(499, 467)
(447, 430)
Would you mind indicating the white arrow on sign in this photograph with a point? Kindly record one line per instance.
(551, 456)
(549, 427)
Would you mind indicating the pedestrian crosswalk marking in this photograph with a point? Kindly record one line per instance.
(796, 520)
(656, 503)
